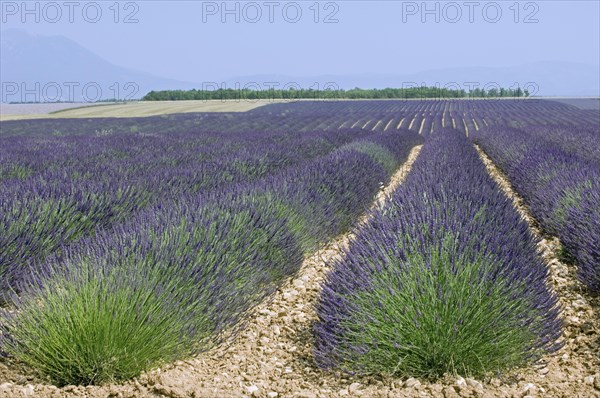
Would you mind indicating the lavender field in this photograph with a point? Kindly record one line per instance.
(131, 244)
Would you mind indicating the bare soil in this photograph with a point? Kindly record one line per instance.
(129, 109)
(272, 356)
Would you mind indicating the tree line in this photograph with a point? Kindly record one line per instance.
(355, 93)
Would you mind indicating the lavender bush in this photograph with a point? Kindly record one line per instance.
(158, 288)
(444, 279)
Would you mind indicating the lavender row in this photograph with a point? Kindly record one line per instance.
(174, 279)
(77, 184)
(581, 141)
(445, 278)
(319, 115)
(530, 111)
(557, 172)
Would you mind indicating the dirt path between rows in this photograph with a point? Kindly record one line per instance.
(272, 357)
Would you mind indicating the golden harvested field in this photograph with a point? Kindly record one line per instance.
(145, 108)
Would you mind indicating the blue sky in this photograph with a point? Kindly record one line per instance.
(187, 39)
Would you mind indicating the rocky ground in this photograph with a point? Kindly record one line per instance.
(272, 356)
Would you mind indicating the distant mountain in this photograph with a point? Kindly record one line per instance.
(542, 78)
(49, 68)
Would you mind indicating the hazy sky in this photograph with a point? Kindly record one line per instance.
(188, 39)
